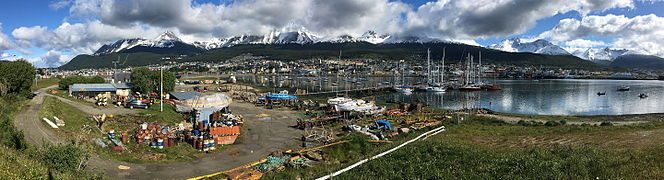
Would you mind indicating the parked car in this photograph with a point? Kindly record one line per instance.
(137, 104)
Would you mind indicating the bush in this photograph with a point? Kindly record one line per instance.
(16, 78)
(605, 123)
(552, 123)
(9, 135)
(68, 81)
(61, 158)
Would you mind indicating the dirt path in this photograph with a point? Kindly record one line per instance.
(28, 121)
(262, 137)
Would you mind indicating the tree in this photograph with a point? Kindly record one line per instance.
(16, 77)
(146, 81)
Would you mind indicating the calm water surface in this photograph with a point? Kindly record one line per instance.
(543, 97)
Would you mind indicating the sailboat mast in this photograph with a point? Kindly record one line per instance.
(468, 69)
(442, 72)
(428, 66)
(479, 69)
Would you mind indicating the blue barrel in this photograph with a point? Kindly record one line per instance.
(153, 144)
(196, 132)
(160, 143)
(205, 122)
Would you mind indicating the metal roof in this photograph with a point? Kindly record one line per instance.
(185, 95)
(105, 87)
(122, 86)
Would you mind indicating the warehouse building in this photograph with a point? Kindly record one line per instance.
(105, 89)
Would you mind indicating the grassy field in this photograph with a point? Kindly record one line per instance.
(75, 120)
(487, 148)
(42, 83)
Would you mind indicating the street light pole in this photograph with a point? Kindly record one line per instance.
(161, 90)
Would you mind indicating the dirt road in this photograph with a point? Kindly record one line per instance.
(262, 137)
(28, 121)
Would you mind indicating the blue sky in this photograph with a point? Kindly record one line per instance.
(32, 13)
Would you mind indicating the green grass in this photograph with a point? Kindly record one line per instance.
(74, 119)
(169, 115)
(455, 154)
(42, 83)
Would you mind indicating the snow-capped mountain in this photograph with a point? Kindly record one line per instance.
(169, 40)
(166, 40)
(539, 46)
(595, 54)
(274, 37)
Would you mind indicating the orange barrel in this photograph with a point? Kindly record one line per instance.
(171, 142)
(201, 126)
(125, 138)
(166, 143)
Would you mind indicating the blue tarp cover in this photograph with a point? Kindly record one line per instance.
(278, 97)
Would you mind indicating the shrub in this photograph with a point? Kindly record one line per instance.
(61, 158)
(605, 123)
(552, 123)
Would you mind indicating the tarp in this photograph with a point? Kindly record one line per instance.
(215, 102)
(274, 97)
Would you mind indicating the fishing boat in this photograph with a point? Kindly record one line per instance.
(493, 88)
(470, 87)
(403, 89)
(643, 95)
(601, 93)
(359, 106)
(623, 88)
(435, 89)
(339, 100)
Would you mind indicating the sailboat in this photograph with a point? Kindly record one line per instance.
(468, 85)
(432, 86)
(403, 88)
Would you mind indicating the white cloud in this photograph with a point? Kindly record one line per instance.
(6, 44)
(56, 5)
(104, 21)
(494, 18)
(584, 43)
(642, 34)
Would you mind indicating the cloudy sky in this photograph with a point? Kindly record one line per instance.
(50, 32)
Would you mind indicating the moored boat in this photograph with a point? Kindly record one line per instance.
(471, 87)
(623, 88)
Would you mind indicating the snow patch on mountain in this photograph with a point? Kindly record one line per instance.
(538, 46)
(599, 54)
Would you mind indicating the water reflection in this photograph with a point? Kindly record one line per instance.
(545, 97)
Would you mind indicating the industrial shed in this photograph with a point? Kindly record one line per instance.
(106, 89)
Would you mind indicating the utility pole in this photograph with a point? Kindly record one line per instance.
(161, 89)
